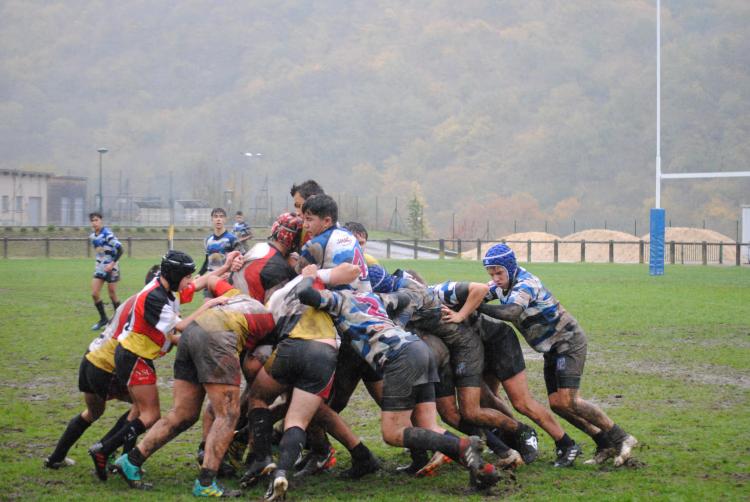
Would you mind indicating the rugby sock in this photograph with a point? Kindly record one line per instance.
(496, 444)
(468, 428)
(360, 453)
(136, 457)
(616, 434)
(100, 307)
(75, 429)
(115, 305)
(290, 447)
(564, 442)
(129, 432)
(260, 422)
(118, 425)
(206, 477)
(424, 439)
(602, 440)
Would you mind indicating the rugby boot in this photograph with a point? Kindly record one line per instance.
(66, 462)
(510, 459)
(314, 463)
(100, 324)
(418, 460)
(567, 457)
(258, 469)
(431, 467)
(601, 455)
(132, 474)
(624, 449)
(100, 461)
(213, 490)
(361, 468)
(481, 474)
(277, 487)
(527, 443)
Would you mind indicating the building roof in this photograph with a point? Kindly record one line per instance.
(149, 204)
(194, 204)
(18, 172)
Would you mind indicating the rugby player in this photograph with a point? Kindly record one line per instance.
(219, 243)
(550, 329)
(108, 251)
(360, 232)
(408, 375)
(207, 363)
(242, 231)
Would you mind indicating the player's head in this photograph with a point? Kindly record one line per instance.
(300, 193)
(96, 220)
(286, 230)
(359, 231)
(380, 280)
(176, 266)
(320, 213)
(218, 217)
(500, 263)
(238, 216)
(152, 272)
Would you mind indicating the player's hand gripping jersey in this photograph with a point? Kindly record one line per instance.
(334, 247)
(362, 318)
(543, 322)
(107, 248)
(153, 316)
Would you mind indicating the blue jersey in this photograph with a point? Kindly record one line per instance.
(543, 322)
(334, 247)
(363, 321)
(241, 229)
(217, 248)
(452, 294)
(106, 246)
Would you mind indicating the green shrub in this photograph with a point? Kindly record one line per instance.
(140, 229)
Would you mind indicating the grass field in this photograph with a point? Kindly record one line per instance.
(669, 360)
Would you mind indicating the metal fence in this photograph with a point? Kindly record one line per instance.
(558, 251)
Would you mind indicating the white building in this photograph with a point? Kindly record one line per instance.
(23, 197)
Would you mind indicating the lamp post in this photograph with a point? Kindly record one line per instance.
(101, 151)
(258, 156)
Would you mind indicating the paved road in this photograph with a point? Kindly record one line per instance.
(398, 252)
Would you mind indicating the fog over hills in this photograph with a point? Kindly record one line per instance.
(492, 110)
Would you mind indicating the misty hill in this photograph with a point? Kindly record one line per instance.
(494, 110)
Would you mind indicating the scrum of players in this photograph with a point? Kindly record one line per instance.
(302, 318)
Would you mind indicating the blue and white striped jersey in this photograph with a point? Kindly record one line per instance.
(106, 246)
(334, 247)
(543, 322)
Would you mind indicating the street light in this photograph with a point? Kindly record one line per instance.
(101, 151)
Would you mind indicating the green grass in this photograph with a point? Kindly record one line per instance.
(669, 360)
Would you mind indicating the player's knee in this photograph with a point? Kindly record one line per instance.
(393, 437)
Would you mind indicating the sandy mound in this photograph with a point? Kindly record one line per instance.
(518, 242)
(688, 245)
(597, 246)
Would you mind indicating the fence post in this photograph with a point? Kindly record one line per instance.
(130, 247)
(442, 249)
(528, 251)
(555, 250)
(416, 252)
(671, 251)
(704, 252)
(611, 251)
(641, 249)
(5, 249)
(737, 254)
(583, 251)
(46, 247)
(479, 249)
(458, 249)
(721, 253)
(388, 248)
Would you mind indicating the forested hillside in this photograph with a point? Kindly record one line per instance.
(494, 110)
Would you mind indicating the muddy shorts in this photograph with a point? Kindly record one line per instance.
(445, 387)
(563, 366)
(304, 364)
(350, 369)
(93, 380)
(111, 276)
(131, 369)
(466, 350)
(409, 378)
(207, 357)
(503, 357)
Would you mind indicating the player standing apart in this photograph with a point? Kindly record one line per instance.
(108, 251)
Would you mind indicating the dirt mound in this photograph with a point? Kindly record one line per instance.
(541, 247)
(688, 245)
(597, 246)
